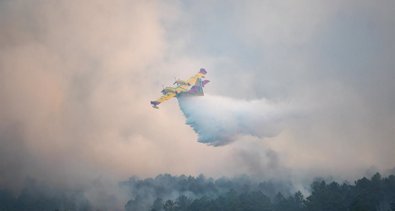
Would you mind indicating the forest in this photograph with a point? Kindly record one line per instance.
(198, 194)
(183, 193)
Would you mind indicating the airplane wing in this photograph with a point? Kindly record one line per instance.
(181, 88)
(198, 75)
(168, 96)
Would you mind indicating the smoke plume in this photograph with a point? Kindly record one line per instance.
(221, 120)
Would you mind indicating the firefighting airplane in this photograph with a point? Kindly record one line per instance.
(191, 87)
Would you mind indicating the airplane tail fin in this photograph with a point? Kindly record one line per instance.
(203, 71)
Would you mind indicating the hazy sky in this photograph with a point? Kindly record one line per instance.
(76, 78)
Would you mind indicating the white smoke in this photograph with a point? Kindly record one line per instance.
(221, 120)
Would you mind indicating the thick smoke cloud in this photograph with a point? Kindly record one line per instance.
(220, 120)
(60, 63)
(76, 78)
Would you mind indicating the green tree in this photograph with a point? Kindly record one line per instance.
(157, 205)
(169, 206)
(326, 197)
(182, 203)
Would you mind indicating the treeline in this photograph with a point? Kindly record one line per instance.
(155, 192)
(40, 197)
(184, 193)
(171, 193)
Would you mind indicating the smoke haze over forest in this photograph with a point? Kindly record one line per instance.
(305, 89)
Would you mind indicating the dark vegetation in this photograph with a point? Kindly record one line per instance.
(35, 197)
(169, 193)
(179, 193)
